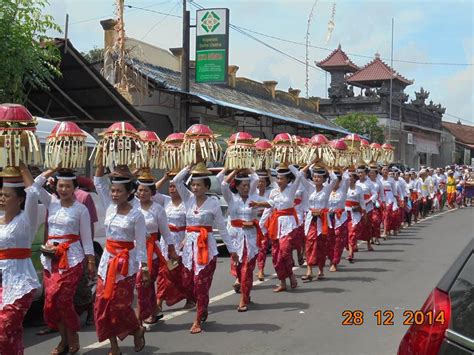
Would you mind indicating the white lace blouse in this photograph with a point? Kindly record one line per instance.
(176, 217)
(282, 200)
(389, 188)
(355, 195)
(19, 275)
(337, 201)
(123, 228)
(74, 219)
(370, 190)
(156, 221)
(208, 214)
(240, 210)
(317, 200)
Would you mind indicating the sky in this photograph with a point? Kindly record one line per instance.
(425, 31)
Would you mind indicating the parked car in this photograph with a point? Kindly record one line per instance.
(450, 328)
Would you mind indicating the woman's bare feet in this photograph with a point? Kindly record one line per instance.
(333, 268)
(196, 327)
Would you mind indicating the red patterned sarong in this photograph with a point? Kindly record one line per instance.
(244, 273)
(281, 256)
(315, 246)
(115, 317)
(337, 239)
(262, 253)
(354, 231)
(376, 220)
(59, 289)
(389, 218)
(11, 324)
(170, 285)
(365, 227)
(200, 284)
(146, 295)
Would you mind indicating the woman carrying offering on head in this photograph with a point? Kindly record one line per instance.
(124, 255)
(69, 242)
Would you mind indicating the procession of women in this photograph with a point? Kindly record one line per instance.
(309, 202)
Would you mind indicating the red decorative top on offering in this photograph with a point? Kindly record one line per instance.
(200, 145)
(241, 151)
(151, 151)
(171, 153)
(17, 138)
(318, 139)
(263, 144)
(15, 112)
(199, 130)
(338, 144)
(66, 129)
(149, 136)
(66, 145)
(120, 145)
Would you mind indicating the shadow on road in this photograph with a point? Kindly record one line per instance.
(355, 278)
(148, 349)
(384, 260)
(389, 251)
(398, 244)
(364, 269)
(233, 328)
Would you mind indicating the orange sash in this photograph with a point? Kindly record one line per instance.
(272, 222)
(119, 250)
(176, 229)
(239, 223)
(202, 243)
(338, 212)
(15, 253)
(62, 248)
(350, 203)
(152, 248)
(323, 216)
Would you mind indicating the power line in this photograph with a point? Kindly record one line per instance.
(160, 21)
(458, 118)
(129, 6)
(352, 54)
(243, 32)
(244, 29)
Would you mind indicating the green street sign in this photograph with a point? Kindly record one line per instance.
(212, 45)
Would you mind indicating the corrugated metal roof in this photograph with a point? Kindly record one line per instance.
(228, 97)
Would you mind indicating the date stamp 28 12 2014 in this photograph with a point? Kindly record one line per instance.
(388, 317)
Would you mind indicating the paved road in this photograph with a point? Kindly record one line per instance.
(398, 276)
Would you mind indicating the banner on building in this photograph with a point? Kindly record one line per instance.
(212, 45)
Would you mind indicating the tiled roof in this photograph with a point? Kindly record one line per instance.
(225, 96)
(463, 133)
(338, 59)
(376, 70)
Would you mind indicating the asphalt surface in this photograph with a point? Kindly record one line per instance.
(398, 276)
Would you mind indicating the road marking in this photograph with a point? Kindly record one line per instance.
(184, 311)
(217, 298)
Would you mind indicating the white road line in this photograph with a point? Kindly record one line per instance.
(227, 294)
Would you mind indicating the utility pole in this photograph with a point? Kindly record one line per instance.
(184, 101)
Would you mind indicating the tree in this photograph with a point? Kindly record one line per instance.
(362, 124)
(94, 55)
(28, 57)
